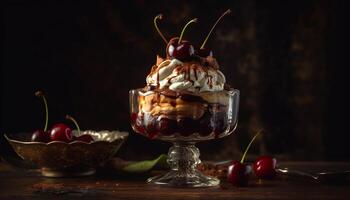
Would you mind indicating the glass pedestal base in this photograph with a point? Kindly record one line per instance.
(174, 178)
(183, 159)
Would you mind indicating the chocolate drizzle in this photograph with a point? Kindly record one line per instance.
(169, 80)
(158, 83)
(187, 68)
(210, 80)
(195, 72)
(197, 67)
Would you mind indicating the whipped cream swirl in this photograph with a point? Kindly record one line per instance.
(179, 76)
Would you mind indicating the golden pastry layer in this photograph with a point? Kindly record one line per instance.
(160, 105)
(172, 107)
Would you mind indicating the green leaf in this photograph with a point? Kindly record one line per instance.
(145, 166)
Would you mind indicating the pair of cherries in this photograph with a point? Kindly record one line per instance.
(58, 132)
(264, 167)
(239, 173)
(182, 49)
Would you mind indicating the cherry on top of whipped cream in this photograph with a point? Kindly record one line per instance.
(177, 48)
(204, 52)
(182, 49)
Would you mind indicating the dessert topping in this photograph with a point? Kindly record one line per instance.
(190, 76)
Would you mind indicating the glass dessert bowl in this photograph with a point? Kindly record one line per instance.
(186, 100)
(204, 121)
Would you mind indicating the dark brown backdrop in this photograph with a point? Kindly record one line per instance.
(286, 57)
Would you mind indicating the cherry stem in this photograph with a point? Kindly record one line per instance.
(160, 16)
(250, 143)
(211, 30)
(74, 121)
(183, 30)
(41, 94)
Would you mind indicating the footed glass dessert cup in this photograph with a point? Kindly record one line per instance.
(184, 118)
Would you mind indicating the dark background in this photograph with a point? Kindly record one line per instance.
(286, 58)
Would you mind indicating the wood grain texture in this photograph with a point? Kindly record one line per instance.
(20, 184)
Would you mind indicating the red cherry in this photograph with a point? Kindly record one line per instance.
(133, 117)
(238, 173)
(182, 51)
(84, 138)
(265, 167)
(40, 136)
(179, 48)
(166, 126)
(203, 52)
(61, 132)
(137, 123)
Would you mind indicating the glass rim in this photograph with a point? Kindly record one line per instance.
(231, 91)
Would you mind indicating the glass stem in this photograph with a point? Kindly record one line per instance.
(183, 157)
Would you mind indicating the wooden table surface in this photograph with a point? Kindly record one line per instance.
(29, 184)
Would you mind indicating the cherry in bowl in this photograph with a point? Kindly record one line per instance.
(40, 136)
(61, 132)
(84, 138)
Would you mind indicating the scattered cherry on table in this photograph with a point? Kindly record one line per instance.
(238, 172)
(265, 167)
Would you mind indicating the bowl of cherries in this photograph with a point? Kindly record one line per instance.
(61, 151)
